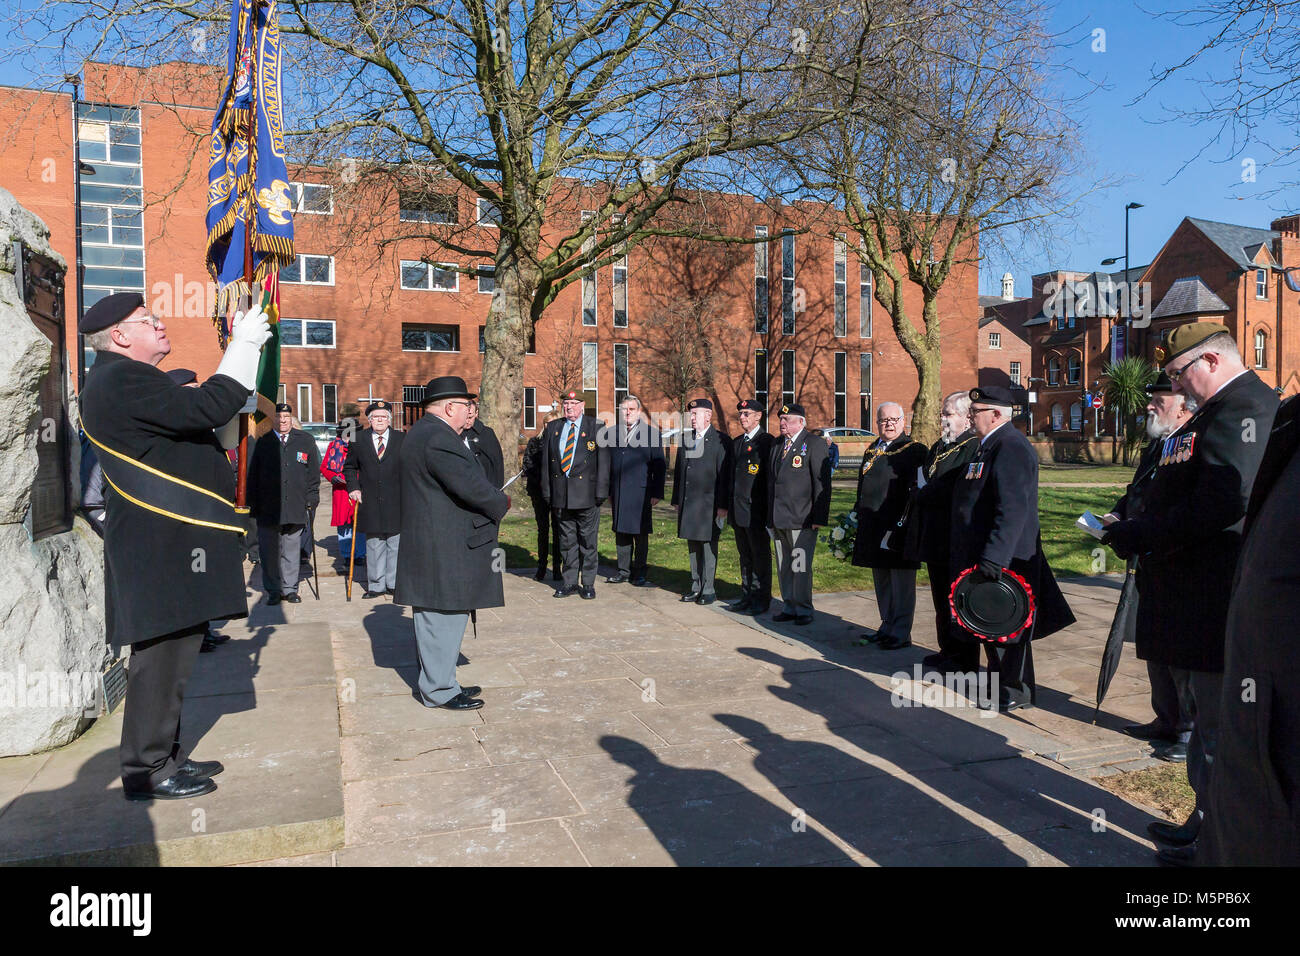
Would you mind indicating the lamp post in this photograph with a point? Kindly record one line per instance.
(79, 169)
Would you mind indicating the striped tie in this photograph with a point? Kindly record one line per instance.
(789, 443)
(566, 459)
(381, 448)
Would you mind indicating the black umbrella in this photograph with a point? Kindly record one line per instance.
(1122, 629)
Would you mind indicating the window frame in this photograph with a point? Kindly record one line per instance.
(302, 333)
(995, 340)
(298, 193)
(452, 267)
(1261, 284)
(300, 259)
(427, 328)
(478, 213)
(298, 408)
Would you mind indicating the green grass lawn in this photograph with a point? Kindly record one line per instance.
(1069, 550)
(1056, 473)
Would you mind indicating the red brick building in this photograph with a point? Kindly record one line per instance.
(1004, 353)
(365, 316)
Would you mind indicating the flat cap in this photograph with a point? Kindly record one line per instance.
(379, 406)
(109, 311)
(699, 403)
(993, 395)
(749, 405)
(1187, 337)
(284, 407)
(182, 376)
(793, 409)
(1161, 384)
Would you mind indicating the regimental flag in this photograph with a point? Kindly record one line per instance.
(249, 218)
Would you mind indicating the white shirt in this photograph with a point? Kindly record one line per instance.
(377, 438)
(749, 436)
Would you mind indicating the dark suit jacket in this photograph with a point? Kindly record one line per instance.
(284, 478)
(450, 516)
(701, 483)
(379, 482)
(636, 474)
(929, 530)
(751, 469)
(588, 478)
(884, 492)
(487, 449)
(800, 492)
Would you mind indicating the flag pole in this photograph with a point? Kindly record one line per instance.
(245, 419)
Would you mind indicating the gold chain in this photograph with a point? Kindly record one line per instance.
(934, 465)
(876, 453)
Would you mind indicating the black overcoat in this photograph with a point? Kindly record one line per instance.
(884, 491)
(751, 469)
(487, 450)
(379, 481)
(450, 518)
(995, 518)
(929, 529)
(701, 483)
(1189, 532)
(800, 494)
(636, 474)
(532, 465)
(160, 574)
(284, 478)
(588, 478)
(1255, 787)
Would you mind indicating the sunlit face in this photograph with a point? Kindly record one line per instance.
(284, 422)
(1164, 413)
(631, 413)
(749, 419)
(1194, 376)
(984, 418)
(791, 425)
(143, 336)
(700, 418)
(889, 421)
(473, 414)
(573, 408)
(380, 420)
(953, 422)
(455, 412)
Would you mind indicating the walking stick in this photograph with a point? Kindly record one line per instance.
(314, 572)
(353, 557)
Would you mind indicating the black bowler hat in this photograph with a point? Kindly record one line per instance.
(994, 395)
(793, 408)
(109, 311)
(749, 405)
(446, 386)
(699, 403)
(182, 376)
(284, 407)
(1161, 384)
(379, 406)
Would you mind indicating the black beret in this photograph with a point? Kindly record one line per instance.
(699, 403)
(109, 311)
(1161, 384)
(284, 407)
(749, 404)
(379, 406)
(993, 395)
(793, 409)
(182, 376)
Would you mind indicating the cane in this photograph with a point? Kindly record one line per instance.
(352, 558)
(314, 572)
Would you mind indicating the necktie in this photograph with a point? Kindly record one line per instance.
(566, 458)
(381, 447)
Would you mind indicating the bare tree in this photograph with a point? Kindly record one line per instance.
(680, 340)
(563, 369)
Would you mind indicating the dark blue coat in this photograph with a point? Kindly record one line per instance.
(636, 474)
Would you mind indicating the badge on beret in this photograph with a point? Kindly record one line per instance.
(752, 468)
(797, 461)
(785, 409)
(591, 446)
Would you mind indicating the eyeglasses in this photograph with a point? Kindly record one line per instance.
(459, 402)
(889, 421)
(1177, 376)
(975, 411)
(153, 320)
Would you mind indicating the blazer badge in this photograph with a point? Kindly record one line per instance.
(752, 468)
(591, 446)
(797, 461)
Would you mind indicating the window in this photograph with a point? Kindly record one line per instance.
(760, 281)
(864, 391)
(787, 283)
(787, 377)
(760, 377)
(109, 134)
(864, 301)
(329, 396)
(487, 278)
(1058, 418)
(488, 214)
(620, 374)
(304, 403)
(281, 395)
(620, 293)
(841, 289)
(430, 276)
(1261, 283)
(1261, 347)
(1076, 417)
(430, 338)
(590, 378)
(588, 276)
(112, 201)
(1072, 368)
(427, 208)
(312, 198)
(995, 340)
(841, 387)
(530, 409)
(1053, 371)
(1015, 373)
(309, 270)
(307, 333)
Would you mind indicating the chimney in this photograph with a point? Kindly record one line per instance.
(1008, 286)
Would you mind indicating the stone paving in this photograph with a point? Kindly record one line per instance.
(629, 730)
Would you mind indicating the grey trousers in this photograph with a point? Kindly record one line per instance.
(579, 531)
(704, 562)
(280, 547)
(896, 600)
(632, 550)
(1166, 703)
(438, 635)
(381, 561)
(794, 558)
(1198, 692)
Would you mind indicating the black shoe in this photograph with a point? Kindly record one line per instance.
(201, 768)
(740, 606)
(642, 582)
(293, 598)
(1177, 855)
(871, 637)
(473, 690)
(461, 701)
(179, 786)
(1174, 834)
(557, 575)
(565, 592)
(272, 600)
(588, 594)
(938, 661)
(758, 606)
(617, 578)
(1152, 731)
(691, 597)
(391, 592)
(803, 621)
(214, 638)
(208, 646)
(784, 616)
(540, 575)
(372, 594)
(706, 599)
(892, 643)
(1171, 753)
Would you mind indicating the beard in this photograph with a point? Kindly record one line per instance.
(1158, 428)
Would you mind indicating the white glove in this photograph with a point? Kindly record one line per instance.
(228, 434)
(247, 334)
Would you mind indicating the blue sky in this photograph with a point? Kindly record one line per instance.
(1127, 140)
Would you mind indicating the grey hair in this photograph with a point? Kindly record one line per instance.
(883, 405)
(629, 397)
(102, 340)
(1221, 343)
(1189, 403)
(960, 401)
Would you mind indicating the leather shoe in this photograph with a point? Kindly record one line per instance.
(462, 701)
(1171, 753)
(588, 594)
(372, 594)
(179, 786)
(1177, 855)
(802, 621)
(642, 582)
(1152, 731)
(1174, 834)
(872, 637)
(272, 600)
(540, 575)
(690, 598)
(784, 616)
(565, 592)
(617, 578)
(706, 599)
(937, 661)
(293, 598)
(473, 690)
(892, 643)
(742, 605)
(201, 768)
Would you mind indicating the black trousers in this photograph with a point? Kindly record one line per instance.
(1167, 704)
(754, 547)
(1014, 665)
(151, 720)
(632, 550)
(578, 528)
(964, 653)
(548, 535)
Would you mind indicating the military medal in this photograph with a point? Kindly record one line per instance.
(752, 468)
(302, 458)
(974, 470)
(591, 446)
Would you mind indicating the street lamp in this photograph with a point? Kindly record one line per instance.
(82, 169)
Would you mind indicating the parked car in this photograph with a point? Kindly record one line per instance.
(322, 432)
(852, 444)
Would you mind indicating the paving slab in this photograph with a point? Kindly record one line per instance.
(515, 741)
(542, 843)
